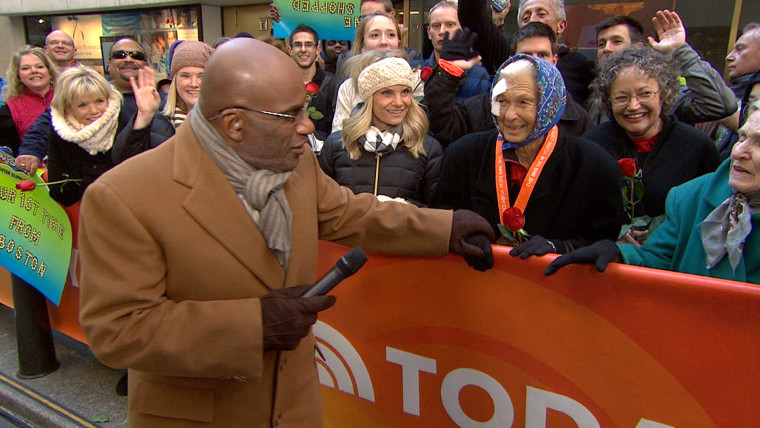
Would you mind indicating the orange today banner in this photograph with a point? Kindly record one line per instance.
(430, 342)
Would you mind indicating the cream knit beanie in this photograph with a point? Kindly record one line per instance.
(384, 73)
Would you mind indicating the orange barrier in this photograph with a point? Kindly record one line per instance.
(430, 342)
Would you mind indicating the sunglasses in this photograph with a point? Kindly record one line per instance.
(136, 55)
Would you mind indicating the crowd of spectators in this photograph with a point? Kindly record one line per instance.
(428, 131)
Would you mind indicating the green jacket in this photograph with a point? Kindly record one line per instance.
(676, 245)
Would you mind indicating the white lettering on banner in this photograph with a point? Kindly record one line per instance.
(334, 340)
(646, 423)
(504, 412)
(336, 349)
(538, 402)
(411, 366)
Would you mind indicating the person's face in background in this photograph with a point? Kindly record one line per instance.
(304, 49)
(121, 69)
(744, 176)
(640, 116)
(443, 20)
(88, 107)
(745, 57)
(189, 84)
(390, 106)
(381, 34)
(333, 48)
(369, 7)
(611, 40)
(60, 47)
(33, 73)
(518, 107)
(541, 11)
(537, 46)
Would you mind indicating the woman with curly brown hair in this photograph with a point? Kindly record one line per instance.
(637, 86)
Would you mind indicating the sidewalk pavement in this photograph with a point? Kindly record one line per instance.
(80, 393)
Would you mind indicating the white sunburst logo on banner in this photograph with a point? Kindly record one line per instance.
(341, 363)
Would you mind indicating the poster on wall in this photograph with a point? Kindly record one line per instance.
(332, 20)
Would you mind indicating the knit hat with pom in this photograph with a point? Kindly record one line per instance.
(190, 53)
(384, 73)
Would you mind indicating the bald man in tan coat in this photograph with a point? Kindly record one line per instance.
(186, 277)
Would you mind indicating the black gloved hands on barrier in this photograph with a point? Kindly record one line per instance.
(601, 253)
(459, 46)
(535, 246)
(471, 236)
(287, 317)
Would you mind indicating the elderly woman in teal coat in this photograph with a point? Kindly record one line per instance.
(709, 225)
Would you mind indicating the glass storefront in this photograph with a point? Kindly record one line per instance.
(94, 34)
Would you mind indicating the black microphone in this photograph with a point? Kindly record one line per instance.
(345, 267)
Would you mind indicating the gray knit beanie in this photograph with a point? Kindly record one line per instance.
(190, 53)
(384, 73)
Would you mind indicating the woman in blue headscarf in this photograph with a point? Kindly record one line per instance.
(556, 192)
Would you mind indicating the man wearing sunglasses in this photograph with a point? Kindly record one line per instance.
(194, 255)
(127, 58)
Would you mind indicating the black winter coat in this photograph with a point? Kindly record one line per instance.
(68, 160)
(680, 154)
(400, 175)
(451, 119)
(576, 199)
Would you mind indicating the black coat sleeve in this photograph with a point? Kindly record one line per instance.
(450, 119)
(8, 134)
(492, 44)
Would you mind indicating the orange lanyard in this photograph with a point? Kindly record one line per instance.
(502, 186)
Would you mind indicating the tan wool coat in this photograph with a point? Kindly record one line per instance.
(172, 269)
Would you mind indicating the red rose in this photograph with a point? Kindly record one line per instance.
(627, 167)
(425, 73)
(25, 185)
(513, 218)
(312, 88)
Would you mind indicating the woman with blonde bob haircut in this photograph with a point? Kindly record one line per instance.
(384, 148)
(87, 117)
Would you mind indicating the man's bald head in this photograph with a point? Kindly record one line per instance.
(60, 48)
(254, 96)
(245, 72)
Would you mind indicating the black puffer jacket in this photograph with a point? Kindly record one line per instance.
(400, 175)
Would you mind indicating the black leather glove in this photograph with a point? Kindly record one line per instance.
(459, 46)
(480, 263)
(601, 253)
(287, 317)
(535, 246)
(465, 228)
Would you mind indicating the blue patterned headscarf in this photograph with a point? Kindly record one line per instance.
(552, 98)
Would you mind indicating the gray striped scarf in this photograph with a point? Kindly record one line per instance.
(259, 190)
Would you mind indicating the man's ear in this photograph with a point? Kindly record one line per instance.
(232, 126)
(561, 25)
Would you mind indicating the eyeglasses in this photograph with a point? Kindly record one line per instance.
(308, 45)
(270, 113)
(59, 42)
(642, 97)
(136, 55)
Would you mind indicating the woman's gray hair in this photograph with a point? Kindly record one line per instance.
(648, 62)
